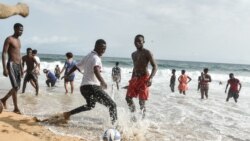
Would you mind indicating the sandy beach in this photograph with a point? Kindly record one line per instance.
(15, 127)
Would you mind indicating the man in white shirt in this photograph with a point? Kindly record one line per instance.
(93, 83)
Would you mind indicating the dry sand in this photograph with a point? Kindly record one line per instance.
(15, 127)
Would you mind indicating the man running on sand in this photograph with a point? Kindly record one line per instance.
(141, 79)
(13, 67)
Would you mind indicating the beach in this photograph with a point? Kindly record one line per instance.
(170, 116)
(16, 127)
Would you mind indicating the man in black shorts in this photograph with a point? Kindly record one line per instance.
(13, 67)
(31, 75)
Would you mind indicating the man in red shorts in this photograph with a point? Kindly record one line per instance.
(233, 90)
(141, 79)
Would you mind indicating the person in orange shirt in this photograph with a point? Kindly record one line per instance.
(183, 81)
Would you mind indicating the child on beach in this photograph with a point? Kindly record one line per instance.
(172, 80)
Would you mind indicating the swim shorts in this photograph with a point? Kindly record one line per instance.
(138, 87)
(14, 74)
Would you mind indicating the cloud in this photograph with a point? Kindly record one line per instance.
(51, 40)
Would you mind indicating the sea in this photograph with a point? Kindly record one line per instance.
(170, 116)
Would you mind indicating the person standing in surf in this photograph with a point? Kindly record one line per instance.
(204, 79)
(141, 79)
(233, 90)
(183, 81)
(116, 74)
(172, 80)
(69, 64)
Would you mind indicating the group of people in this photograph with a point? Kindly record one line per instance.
(93, 84)
(203, 84)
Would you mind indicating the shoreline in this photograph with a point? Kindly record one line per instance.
(15, 127)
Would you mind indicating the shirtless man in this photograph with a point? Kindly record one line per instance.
(235, 87)
(31, 75)
(13, 67)
(141, 79)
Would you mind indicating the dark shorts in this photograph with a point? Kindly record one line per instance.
(30, 76)
(69, 79)
(235, 95)
(14, 74)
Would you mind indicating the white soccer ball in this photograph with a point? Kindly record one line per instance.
(111, 135)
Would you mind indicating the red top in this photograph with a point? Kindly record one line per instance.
(233, 84)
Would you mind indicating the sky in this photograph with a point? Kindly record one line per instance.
(186, 30)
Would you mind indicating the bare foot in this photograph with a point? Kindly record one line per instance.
(4, 104)
(17, 111)
(66, 115)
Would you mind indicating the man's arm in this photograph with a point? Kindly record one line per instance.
(70, 71)
(240, 87)
(226, 87)
(4, 56)
(154, 68)
(99, 77)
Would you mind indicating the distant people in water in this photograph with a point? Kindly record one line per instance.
(141, 79)
(204, 79)
(235, 87)
(183, 81)
(172, 80)
(57, 72)
(116, 74)
(69, 64)
(51, 78)
(31, 75)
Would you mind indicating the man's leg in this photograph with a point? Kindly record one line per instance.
(6, 97)
(87, 93)
(72, 86)
(24, 83)
(14, 97)
(103, 98)
(142, 107)
(130, 103)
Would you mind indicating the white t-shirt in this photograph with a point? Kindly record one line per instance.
(37, 59)
(37, 71)
(87, 65)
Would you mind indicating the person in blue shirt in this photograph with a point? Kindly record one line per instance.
(51, 78)
(69, 64)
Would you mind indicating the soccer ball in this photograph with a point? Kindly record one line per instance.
(111, 135)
